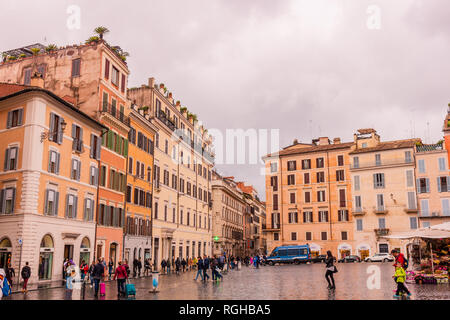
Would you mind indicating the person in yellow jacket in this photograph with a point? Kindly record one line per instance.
(400, 277)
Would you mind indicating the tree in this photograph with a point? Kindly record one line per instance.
(101, 31)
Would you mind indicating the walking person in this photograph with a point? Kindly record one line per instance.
(168, 266)
(190, 264)
(399, 277)
(139, 266)
(135, 266)
(110, 268)
(194, 262)
(121, 276)
(147, 267)
(183, 265)
(98, 274)
(10, 274)
(26, 274)
(199, 268)
(127, 268)
(84, 268)
(178, 265)
(205, 267)
(331, 269)
(91, 272)
(163, 265)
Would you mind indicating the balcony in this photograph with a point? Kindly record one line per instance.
(112, 110)
(164, 119)
(380, 210)
(434, 214)
(411, 210)
(382, 163)
(429, 147)
(381, 232)
(273, 227)
(358, 212)
(77, 145)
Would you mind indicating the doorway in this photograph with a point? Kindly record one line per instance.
(113, 253)
(68, 252)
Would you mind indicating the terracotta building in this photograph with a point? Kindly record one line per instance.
(308, 196)
(49, 181)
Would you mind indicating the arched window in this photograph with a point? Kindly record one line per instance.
(5, 252)
(85, 251)
(46, 258)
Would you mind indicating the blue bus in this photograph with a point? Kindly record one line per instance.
(290, 254)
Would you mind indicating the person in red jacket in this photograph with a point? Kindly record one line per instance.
(121, 276)
(399, 257)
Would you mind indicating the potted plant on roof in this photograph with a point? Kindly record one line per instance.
(51, 48)
(123, 56)
(22, 56)
(92, 40)
(101, 31)
(35, 51)
(12, 58)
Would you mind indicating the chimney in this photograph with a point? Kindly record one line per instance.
(151, 82)
(323, 141)
(336, 140)
(295, 142)
(37, 80)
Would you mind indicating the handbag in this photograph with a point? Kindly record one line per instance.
(332, 269)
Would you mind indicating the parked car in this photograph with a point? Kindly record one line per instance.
(320, 258)
(350, 258)
(380, 257)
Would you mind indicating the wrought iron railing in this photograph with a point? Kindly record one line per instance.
(116, 113)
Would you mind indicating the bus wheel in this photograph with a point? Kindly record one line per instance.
(297, 261)
(271, 263)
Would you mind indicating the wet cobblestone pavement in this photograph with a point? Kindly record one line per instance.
(294, 282)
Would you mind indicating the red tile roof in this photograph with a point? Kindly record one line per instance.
(323, 148)
(389, 145)
(8, 88)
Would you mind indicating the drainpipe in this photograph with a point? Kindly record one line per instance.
(125, 203)
(329, 194)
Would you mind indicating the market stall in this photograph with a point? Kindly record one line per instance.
(431, 246)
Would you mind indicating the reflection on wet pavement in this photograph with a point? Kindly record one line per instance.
(292, 282)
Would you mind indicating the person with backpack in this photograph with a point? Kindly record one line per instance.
(121, 276)
(399, 278)
(26, 274)
(199, 268)
(147, 267)
(127, 268)
(400, 258)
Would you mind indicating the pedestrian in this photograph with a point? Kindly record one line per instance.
(221, 261)
(399, 277)
(110, 268)
(190, 264)
(98, 274)
(135, 267)
(257, 261)
(168, 266)
(121, 276)
(139, 265)
(83, 269)
(26, 274)
(399, 258)
(163, 265)
(331, 269)
(127, 268)
(199, 268)
(10, 274)
(194, 262)
(178, 265)
(205, 267)
(147, 267)
(91, 272)
(183, 265)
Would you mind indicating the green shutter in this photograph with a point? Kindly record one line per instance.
(125, 148)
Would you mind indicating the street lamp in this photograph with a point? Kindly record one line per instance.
(47, 134)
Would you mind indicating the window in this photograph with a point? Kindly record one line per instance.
(442, 164)
(273, 167)
(275, 202)
(55, 128)
(15, 118)
(291, 179)
(77, 136)
(293, 236)
(95, 147)
(358, 204)
(307, 197)
(128, 194)
(424, 207)
(293, 217)
(156, 210)
(7, 200)
(378, 180)
(320, 177)
(88, 209)
(344, 235)
(413, 222)
(292, 165)
(123, 84)
(274, 183)
(409, 178)
(443, 184)
(426, 224)
(356, 183)
(292, 197)
(276, 236)
(11, 158)
(149, 174)
(423, 185)
(319, 163)
(115, 76)
(340, 160)
(408, 157)
(76, 170)
(342, 199)
(343, 215)
(321, 196)
(93, 176)
(107, 67)
(323, 235)
(381, 223)
(359, 225)
(76, 68)
(380, 202)
(27, 76)
(412, 201)
(422, 166)
(340, 176)
(71, 206)
(51, 202)
(323, 216)
(306, 178)
(378, 159)
(306, 164)
(445, 207)
(355, 162)
(53, 162)
(308, 236)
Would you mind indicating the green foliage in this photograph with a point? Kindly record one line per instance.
(93, 39)
(101, 31)
(22, 55)
(12, 58)
(51, 47)
(440, 141)
(183, 109)
(35, 51)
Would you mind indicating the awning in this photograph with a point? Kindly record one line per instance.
(314, 247)
(428, 233)
(443, 226)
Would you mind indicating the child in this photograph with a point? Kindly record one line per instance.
(399, 277)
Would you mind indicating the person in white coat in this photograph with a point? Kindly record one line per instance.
(2, 278)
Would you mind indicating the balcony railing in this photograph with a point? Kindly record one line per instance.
(434, 214)
(163, 118)
(358, 212)
(380, 210)
(429, 147)
(381, 232)
(382, 163)
(112, 110)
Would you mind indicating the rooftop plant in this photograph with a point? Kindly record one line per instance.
(51, 47)
(93, 39)
(101, 31)
(183, 109)
(12, 58)
(22, 55)
(35, 51)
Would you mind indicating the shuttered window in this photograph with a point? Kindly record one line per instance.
(51, 202)
(76, 67)
(15, 118)
(107, 67)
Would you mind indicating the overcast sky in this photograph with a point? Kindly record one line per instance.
(309, 68)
